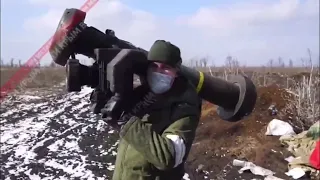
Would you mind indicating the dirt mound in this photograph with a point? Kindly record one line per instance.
(219, 142)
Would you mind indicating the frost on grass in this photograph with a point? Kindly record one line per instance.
(54, 136)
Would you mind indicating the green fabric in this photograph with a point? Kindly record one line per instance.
(144, 152)
(165, 52)
(314, 131)
(301, 146)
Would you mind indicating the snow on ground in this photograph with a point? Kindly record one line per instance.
(51, 134)
(54, 136)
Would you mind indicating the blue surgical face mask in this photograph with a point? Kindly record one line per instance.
(159, 83)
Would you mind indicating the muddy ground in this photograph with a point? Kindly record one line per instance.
(219, 142)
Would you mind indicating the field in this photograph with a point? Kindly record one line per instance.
(46, 132)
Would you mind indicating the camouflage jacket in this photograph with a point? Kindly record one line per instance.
(156, 146)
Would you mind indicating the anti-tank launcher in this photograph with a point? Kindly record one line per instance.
(117, 61)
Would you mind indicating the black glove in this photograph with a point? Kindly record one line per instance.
(117, 110)
(113, 108)
(116, 104)
(98, 100)
(113, 112)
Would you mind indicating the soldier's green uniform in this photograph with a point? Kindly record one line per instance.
(156, 146)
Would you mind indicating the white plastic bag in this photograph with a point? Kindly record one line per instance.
(277, 127)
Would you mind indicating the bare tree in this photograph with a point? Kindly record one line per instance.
(310, 64)
(19, 62)
(235, 62)
(231, 67)
(204, 61)
(290, 63)
(270, 64)
(212, 63)
(12, 62)
(228, 62)
(303, 62)
(192, 62)
(280, 62)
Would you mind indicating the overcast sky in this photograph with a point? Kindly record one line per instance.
(251, 30)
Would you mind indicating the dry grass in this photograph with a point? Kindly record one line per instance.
(38, 78)
(306, 101)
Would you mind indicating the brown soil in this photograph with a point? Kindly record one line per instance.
(219, 142)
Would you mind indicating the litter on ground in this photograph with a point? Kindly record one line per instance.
(277, 127)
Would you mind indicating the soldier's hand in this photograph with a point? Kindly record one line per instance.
(113, 109)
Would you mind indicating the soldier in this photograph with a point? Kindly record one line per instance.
(156, 146)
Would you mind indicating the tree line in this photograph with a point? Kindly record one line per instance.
(18, 63)
(231, 61)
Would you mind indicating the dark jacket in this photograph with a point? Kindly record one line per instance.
(145, 152)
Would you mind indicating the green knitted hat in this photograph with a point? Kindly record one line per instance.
(165, 52)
